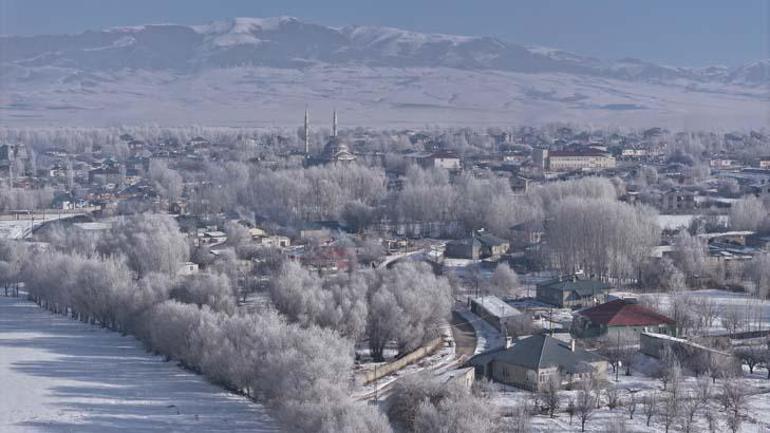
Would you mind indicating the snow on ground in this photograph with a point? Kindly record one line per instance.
(675, 222)
(757, 310)
(59, 375)
(366, 96)
(755, 416)
(438, 363)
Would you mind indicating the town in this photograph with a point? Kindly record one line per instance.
(551, 278)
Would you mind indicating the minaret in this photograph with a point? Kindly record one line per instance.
(334, 124)
(307, 134)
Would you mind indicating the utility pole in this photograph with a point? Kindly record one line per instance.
(617, 367)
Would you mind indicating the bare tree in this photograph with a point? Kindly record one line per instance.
(690, 405)
(585, 403)
(630, 403)
(711, 421)
(669, 411)
(551, 396)
(733, 399)
(613, 397)
(650, 407)
(732, 319)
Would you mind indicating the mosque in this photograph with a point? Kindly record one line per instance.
(335, 151)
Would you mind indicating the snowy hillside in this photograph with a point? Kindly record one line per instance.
(250, 71)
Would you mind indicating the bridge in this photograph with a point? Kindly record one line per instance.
(21, 223)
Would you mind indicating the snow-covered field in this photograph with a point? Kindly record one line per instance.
(365, 96)
(59, 375)
(755, 417)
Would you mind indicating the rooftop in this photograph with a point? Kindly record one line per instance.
(537, 352)
(496, 306)
(577, 152)
(622, 312)
(573, 283)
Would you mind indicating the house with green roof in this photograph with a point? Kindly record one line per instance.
(533, 362)
(572, 292)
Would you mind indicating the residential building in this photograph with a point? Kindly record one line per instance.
(444, 160)
(578, 159)
(491, 245)
(677, 200)
(620, 317)
(463, 249)
(532, 363)
(572, 292)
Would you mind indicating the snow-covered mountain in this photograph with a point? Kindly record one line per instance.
(286, 60)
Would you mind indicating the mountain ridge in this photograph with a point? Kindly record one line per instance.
(288, 42)
(264, 71)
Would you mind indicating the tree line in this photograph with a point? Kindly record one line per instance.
(126, 281)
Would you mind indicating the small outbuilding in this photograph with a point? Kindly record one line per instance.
(496, 312)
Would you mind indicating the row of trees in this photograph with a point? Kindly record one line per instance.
(18, 198)
(125, 280)
(602, 237)
(358, 195)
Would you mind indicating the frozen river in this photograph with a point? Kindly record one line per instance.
(59, 375)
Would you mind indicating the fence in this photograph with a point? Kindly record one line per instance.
(409, 358)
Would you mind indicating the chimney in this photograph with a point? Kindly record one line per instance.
(508, 342)
(572, 345)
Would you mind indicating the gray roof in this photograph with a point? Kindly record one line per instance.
(582, 287)
(496, 306)
(538, 352)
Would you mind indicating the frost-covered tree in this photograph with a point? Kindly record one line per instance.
(601, 237)
(504, 281)
(407, 305)
(689, 254)
(150, 243)
(748, 213)
(424, 405)
(205, 288)
(167, 182)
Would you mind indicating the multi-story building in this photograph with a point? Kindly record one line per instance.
(576, 159)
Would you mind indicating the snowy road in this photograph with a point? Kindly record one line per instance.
(58, 375)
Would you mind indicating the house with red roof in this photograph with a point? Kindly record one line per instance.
(620, 316)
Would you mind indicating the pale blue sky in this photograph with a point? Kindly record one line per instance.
(680, 32)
